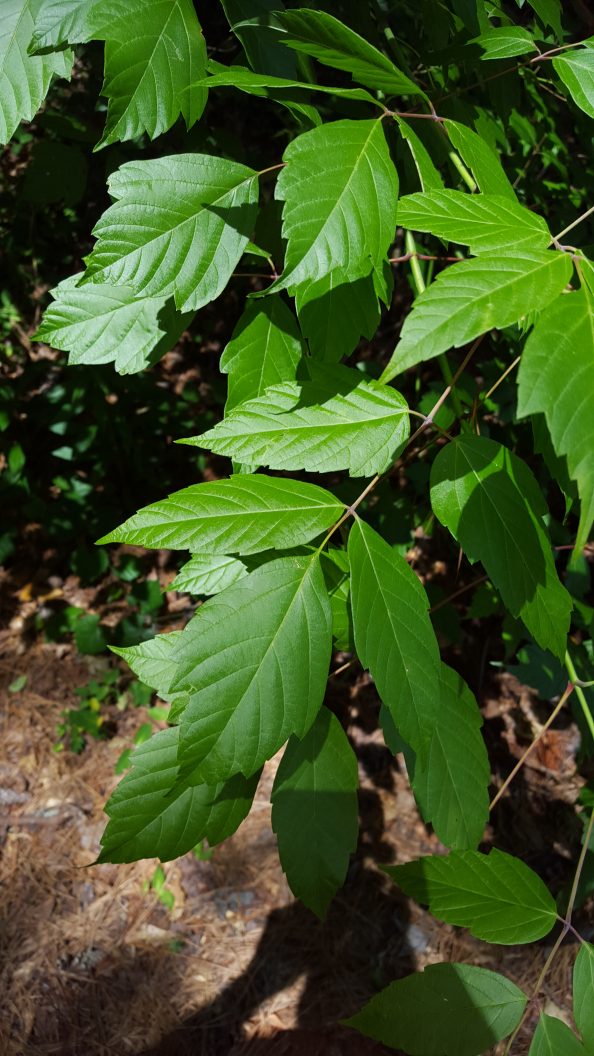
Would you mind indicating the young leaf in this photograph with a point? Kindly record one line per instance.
(576, 70)
(335, 312)
(104, 324)
(470, 298)
(495, 896)
(492, 505)
(153, 815)
(393, 634)
(557, 378)
(340, 191)
(481, 159)
(452, 785)
(207, 574)
(24, 78)
(483, 222)
(264, 350)
(243, 515)
(178, 226)
(505, 42)
(255, 661)
(322, 36)
(428, 174)
(552, 1037)
(336, 420)
(446, 1010)
(583, 993)
(314, 811)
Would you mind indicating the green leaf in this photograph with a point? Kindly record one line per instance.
(255, 661)
(470, 298)
(452, 786)
(278, 88)
(264, 350)
(147, 73)
(335, 312)
(446, 1010)
(556, 378)
(242, 515)
(178, 227)
(496, 896)
(549, 12)
(505, 42)
(153, 661)
(393, 634)
(105, 324)
(336, 420)
(336, 571)
(552, 1037)
(332, 43)
(340, 191)
(492, 505)
(583, 993)
(428, 174)
(207, 574)
(256, 25)
(484, 222)
(24, 78)
(153, 815)
(481, 160)
(576, 70)
(314, 811)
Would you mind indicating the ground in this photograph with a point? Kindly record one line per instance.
(94, 963)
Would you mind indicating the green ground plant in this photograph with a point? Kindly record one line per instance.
(428, 170)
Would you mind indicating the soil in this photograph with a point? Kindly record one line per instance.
(93, 963)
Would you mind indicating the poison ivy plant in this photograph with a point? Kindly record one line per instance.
(358, 107)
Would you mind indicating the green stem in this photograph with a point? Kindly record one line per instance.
(579, 693)
(415, 267)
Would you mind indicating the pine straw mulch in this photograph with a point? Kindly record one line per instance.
(93, 964)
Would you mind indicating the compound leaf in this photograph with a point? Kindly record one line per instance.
(264, 350)
(489, 500)
(328, 40)
(24, 78)
(335, 312)
(556, 378)
(583, 993)
(254, 661)
(153, 815)
(340, 190)
(496, 896)
(470, 298)
(552, 1037)
(242, 515)
(394, 638)
(576, 70)
(481, 159)
(314, 811)
(484, 222)
(206, 574)
(104, 324)
(446, 1010)
(452, 785)
(336, 420)
(178, 227)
